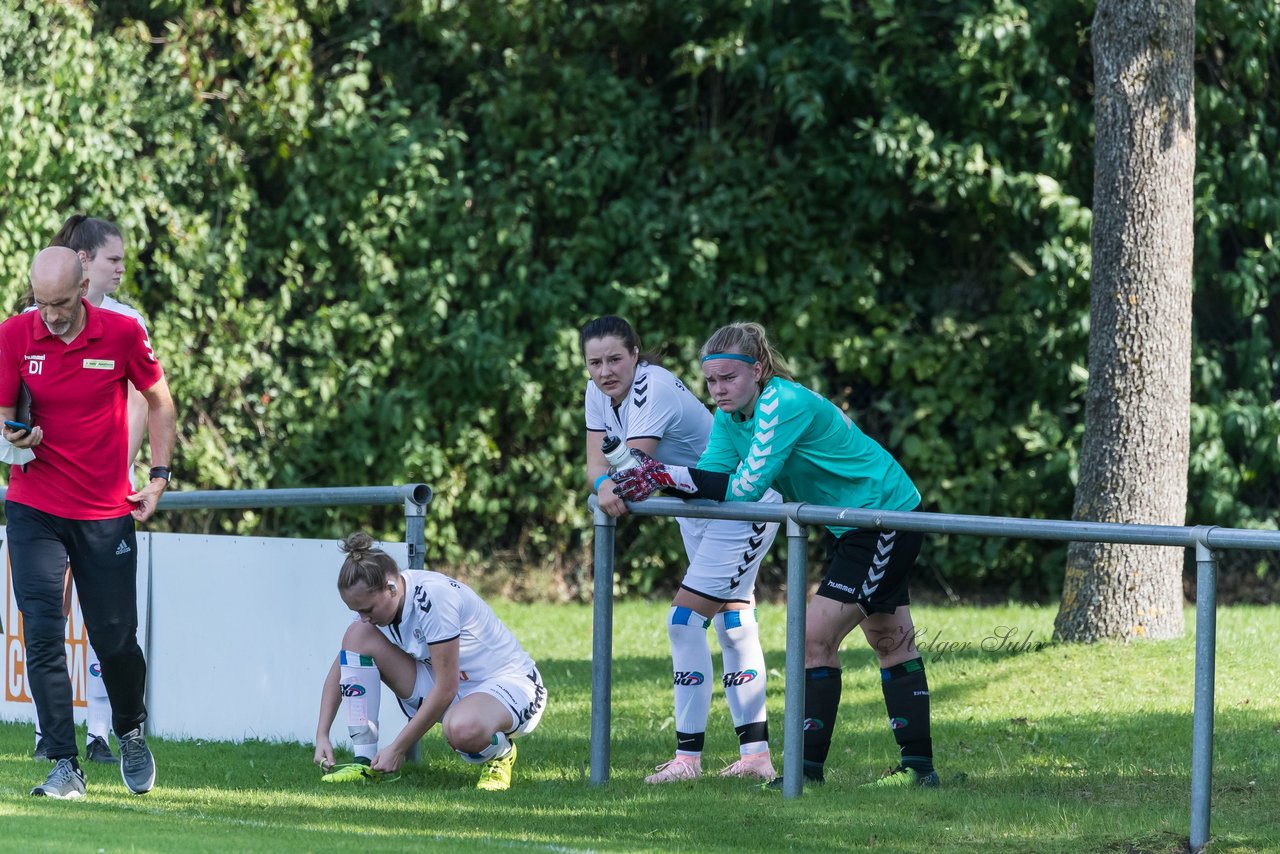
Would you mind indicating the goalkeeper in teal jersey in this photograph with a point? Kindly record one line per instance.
(769, 431)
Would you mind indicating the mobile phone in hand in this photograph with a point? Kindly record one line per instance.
(18, 425)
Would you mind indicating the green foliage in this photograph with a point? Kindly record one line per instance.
(1235, 459)
(366, 234)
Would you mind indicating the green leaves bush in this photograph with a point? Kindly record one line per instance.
(366, 234)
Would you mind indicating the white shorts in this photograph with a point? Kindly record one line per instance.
(725, 555)
(522, 693)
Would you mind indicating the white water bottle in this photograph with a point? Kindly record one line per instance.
(618, 454)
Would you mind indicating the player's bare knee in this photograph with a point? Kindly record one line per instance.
(467, 734)
(820, 652)
(361, 637)
(892, 647)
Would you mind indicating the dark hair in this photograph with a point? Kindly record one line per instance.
(612, 326)
(748, 339)
(365, 564)
(83, 233)
(609, 326)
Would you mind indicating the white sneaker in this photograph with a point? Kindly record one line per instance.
(680, 768)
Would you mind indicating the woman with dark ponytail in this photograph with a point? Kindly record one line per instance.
(100, 245)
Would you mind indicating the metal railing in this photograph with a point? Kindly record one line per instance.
(1204, 539)
(414, 496)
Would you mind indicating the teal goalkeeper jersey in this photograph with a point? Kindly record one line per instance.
(801, 444)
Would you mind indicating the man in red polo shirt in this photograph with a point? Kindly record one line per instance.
(74, 501)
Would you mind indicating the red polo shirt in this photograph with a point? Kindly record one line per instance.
(79, 397)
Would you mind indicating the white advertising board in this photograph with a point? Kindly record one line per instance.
(239, 634)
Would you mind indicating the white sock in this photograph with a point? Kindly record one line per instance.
(99, 705)
(744, 678)
(498, 748)
(362, 690)
(691, 660)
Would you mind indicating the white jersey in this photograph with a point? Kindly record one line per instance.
(109, 304)
(658, 406)
(438, 609)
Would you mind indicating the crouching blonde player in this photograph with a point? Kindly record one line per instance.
(444, 654)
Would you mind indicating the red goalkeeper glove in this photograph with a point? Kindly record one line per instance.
(640, 481)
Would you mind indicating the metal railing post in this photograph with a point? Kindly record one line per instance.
(415, 537)
(415, 522)
(1202, 713)
(793, 710)
(602, 645)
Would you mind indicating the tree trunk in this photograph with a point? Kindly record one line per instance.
(1133, 458)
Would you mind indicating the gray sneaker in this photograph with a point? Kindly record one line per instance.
(64, 782)
(97, 750)
(41, 753)
(137, 767)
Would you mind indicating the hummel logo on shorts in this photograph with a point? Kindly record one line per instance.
(123, 548)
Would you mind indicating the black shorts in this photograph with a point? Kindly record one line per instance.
(872, 568)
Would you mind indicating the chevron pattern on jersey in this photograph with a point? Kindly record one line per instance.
(754, 544)
(639, 393)
(761, 444)
(884, 549)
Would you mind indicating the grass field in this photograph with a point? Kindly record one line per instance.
(1041, 749)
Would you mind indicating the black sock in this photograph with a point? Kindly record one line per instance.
(751, 733)
(690, 741)
(821, 703)
(906, 698)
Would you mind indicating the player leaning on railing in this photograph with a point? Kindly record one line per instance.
(645, 406)
(771, 431)
(444, 654)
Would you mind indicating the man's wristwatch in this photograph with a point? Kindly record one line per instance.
(161, 472)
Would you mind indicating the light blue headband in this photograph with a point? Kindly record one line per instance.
(738, 357)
